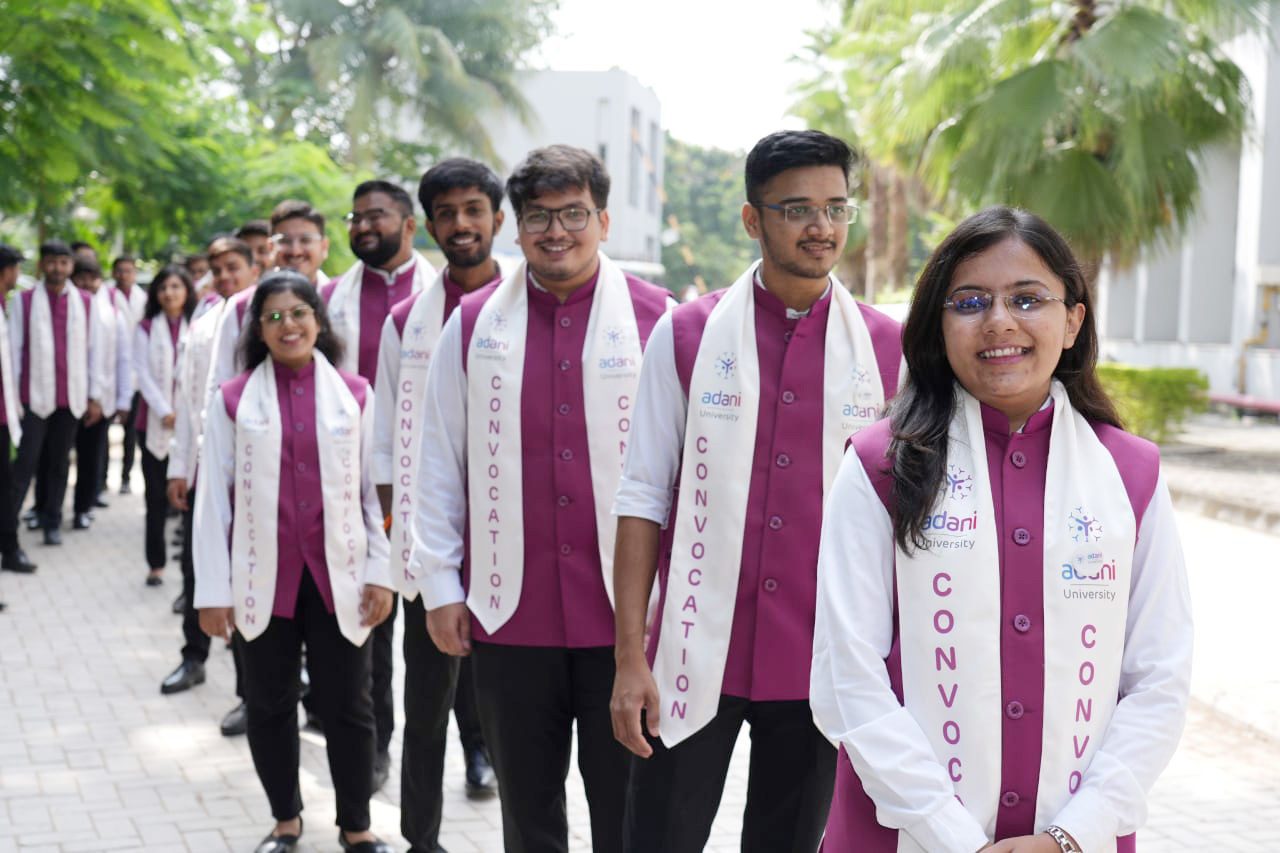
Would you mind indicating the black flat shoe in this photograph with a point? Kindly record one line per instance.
(236, 722)
(17, 561)
(179, 605)
(480, 777)
(280, 843)
(99, 502)
(375, 846)
(82, 521)
(188, 674)
(52, 536)
(31, 519)
(155, 580)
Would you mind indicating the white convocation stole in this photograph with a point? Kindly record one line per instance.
(44, 388)
(421, 331)
(160, 360)
(719, 442)
(950, 621)
(495, 370)
(254, 538)
(344, 306)
(12, 410)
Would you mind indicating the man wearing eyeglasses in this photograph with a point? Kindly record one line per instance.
(380, 227)
(746, 399)
(528, 410)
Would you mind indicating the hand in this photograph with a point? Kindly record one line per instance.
(177, 494)
(119, 417)
(375, 605)
(450, 629)
(92, 413)
(217, 621)
(634, 690)
(168, 421)
(1042, 843)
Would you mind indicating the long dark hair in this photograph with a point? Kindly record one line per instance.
(253, 350)
(922, 411)
(153, 308)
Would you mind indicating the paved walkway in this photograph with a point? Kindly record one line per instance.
(93, 758)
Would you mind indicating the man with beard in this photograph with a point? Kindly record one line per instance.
(58, 377)
(461, 199)
(746, 399)
(117, 392)
(12, 557)
(381, 227)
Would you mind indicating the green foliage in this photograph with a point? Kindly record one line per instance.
(1154, 401)
(704, 196)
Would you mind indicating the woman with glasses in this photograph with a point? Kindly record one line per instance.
(1003, 638)
(289, 550)
(171, 298)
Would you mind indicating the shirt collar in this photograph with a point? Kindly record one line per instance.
(389, 278)
(793, 314)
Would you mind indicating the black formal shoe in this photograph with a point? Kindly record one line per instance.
(375, 846)
(31, 519)
(236, 722)
(124, 488)
(52, 536)
(2, 606)
(280, 843)
(381, 770)
(99, 502)
(155, 580)
(82, 521)
(17, 561)
(188, 674)
(179, 605)
(480, 778)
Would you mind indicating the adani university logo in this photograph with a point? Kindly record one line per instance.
(493, 343)
(950, 522)
(1083, 526)
(614, 338)
(726, 365)
(959, 483)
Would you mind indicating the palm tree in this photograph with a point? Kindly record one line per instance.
(1093, 115)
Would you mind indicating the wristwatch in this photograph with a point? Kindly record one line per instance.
(1065, 844)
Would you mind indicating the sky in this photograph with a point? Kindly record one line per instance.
(721, 68)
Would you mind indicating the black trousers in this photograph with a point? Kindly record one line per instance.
(673, 795)
(340, 686)
(91, 449)
(195, 645)
(8, 506)
(130, 438)
(155, 473)
(54, 436)
(384, 700)
(529, 700)
(433, 683)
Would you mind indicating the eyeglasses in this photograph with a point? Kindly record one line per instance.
(538, 219)
(298, 314)
(837, 214)
(304, 240)
(975, 303)
(372, 216)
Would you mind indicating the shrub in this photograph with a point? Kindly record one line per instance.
(1154, 401)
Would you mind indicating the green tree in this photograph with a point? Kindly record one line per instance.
(705, 243)
(1093, 115)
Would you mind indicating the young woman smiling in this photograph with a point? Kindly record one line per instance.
(1003, 637)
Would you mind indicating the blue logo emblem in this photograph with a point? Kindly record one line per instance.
(498, 321)
(959, 482)
(726, 365)
(1083, 527)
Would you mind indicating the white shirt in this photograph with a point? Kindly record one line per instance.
(116, 373)
(191, 393)
(159, 400)
(854, 706)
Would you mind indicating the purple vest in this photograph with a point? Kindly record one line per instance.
(175, 328)
(1017, 465)
(300, 518)
(58, 316)
(563, 602)
(453, 294)
(771, 644)
(376, 299)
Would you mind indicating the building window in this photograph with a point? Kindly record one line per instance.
(654, 142)
(603, 150)
(633, 188)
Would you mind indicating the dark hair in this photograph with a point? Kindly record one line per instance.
(153, 290)
(123, 259)
(223, 245)
(558, 168)
(194, 256)
(793, 149)
(84, 265)
(253, 349)
(77, 245)
(254, 228)
(52, 248)
(294, 209)
(922, 412)
(397, 193)
(459, 173)
(10, 257)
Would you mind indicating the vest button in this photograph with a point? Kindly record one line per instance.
(297, 392)
(1019, 459)
(1014, 710)
(566, 455)
(1022, 623)
(775, 522)
(564, 364)
(1009, 799)
(783, 460)
(565, 550)
(770, 585)
(563, 500)
(563, 408)
(1022, 536)
(301, 467)
(788, 397)
(299, 426)
(565, 322)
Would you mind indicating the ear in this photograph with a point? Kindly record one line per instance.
(1075, 319)
(498, 218)
(431, 229)
(604, 225)
(751, 220)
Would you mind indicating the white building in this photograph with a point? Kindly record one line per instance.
(1213, 300)
(611, 114)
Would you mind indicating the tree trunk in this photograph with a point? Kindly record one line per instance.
(898, 230)
(879, 274)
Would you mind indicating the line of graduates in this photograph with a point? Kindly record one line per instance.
(966, 627)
